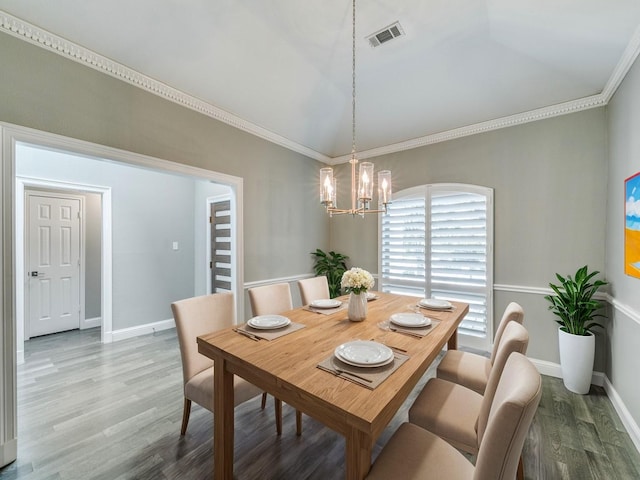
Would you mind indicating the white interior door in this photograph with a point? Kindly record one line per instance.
(53, 264)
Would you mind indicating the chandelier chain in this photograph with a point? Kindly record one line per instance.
(353, 85)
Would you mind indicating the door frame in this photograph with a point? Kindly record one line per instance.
(23, 183)
(50, 193)
(210, 201)
(10, 136)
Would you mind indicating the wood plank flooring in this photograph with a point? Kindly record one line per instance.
(112, 412)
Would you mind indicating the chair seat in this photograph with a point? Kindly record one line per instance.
(466, 369)
(413, 453)
(200, 389)
(449, 411)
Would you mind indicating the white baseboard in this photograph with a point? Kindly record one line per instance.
(555, 370)
(91, 323)
(20, 356)
(599, 378)
(138, 330)
(624, 414)
(8, 452)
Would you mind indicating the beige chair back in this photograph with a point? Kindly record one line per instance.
(270, 299)
(513, 313)
(197, 316)
(514, 339)
(316, 288)
(514, 405)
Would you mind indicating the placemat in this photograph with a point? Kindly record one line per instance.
(272, 334)
(326, 311)
(414, 332)
(374, 376)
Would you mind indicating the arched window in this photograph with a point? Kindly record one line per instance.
(437, 241)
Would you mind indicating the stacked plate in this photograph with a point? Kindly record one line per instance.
(363, 353)
(410, 320)
(268, 322)
(325, 303)
(435, 304)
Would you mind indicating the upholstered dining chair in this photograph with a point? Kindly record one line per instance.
(414, 453)
(457, 414)
(273, 300)
(194, 317)
(316, 288)
(472, 370)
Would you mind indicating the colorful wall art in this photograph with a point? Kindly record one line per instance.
(632, 226)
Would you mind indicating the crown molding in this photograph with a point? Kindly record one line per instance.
(622, 68)
(44, 39)
(573, 106)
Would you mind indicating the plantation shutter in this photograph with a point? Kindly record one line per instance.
(436, 242)
(459, 254)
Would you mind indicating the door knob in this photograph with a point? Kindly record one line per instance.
(34, 274)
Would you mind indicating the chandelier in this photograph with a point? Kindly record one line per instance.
(362, 190)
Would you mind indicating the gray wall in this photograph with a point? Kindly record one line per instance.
(549, 182)
(150, 210)
(624, 161)
(283, 221)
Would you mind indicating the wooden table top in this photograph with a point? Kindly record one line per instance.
(286, 367)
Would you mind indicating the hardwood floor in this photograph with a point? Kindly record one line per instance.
(107, 412)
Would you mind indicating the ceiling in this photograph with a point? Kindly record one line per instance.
(283, 67)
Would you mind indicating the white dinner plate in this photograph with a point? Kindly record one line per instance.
(435, 304)
(371, 296)
(268, 322)
(411, 320)
(363, 353)
(326, 303)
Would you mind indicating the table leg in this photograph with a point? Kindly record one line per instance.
(358, 454)
(222, 421)
(452, 344)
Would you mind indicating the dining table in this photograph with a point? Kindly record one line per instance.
(287, 368)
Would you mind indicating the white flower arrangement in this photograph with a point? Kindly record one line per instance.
(357, 281)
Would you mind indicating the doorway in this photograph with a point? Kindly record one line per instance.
(12, 247)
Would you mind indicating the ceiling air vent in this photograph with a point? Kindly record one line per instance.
(386, 34)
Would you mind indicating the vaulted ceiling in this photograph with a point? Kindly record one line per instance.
(283, 67)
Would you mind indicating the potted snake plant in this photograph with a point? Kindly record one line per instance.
(576, 311)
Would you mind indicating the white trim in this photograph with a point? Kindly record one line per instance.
(624, 65)
(125, 333)
(624, 309)
(625, 416)
(35, 35)
(557, 110)
(91, 323)
(271, 281)
(521, 289)
(552, 369)
(106, 258)
(8, 452)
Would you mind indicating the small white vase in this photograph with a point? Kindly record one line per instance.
(357, 306)
(576, 359)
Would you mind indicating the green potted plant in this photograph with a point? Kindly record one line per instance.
(576, 310)
(332, 265)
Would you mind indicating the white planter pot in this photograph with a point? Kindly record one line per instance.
(576, 358)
